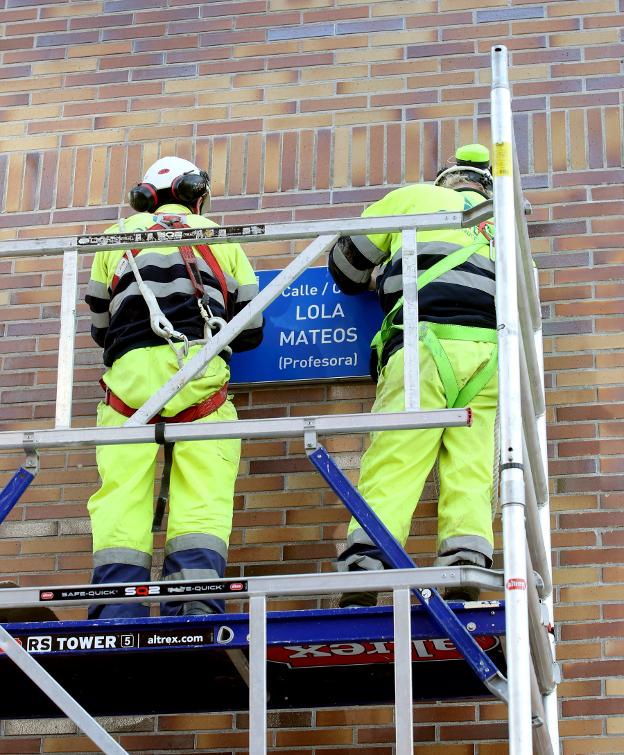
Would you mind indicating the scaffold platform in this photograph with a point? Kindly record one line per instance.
(315, 658)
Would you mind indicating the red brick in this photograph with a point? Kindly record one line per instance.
(611, 429)
(227, 739)
(387, 734)
(613, 611)
(313, 737)
(474, 731)
(580, 484)
(572, 466)
(591, 631)
(593, 707)
(582, 448)
(230, 127)
(17, 745)
(19, 564)
(595, 411)
(300, 61)
(157, 741)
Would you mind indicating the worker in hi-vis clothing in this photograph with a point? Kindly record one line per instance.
(458, 368)
(152, 310)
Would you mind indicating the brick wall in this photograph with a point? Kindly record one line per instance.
(308, 109)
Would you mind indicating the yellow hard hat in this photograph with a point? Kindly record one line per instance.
(473, 154)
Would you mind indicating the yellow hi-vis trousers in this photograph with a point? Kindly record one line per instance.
(396, 465)
(203, 476)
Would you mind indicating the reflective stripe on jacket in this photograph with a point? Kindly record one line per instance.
(120, 318)
(462, 296)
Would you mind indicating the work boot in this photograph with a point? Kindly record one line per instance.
(354, 599)
(462, 592)
(196, 608)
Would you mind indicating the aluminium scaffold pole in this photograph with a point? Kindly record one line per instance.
(550, 701)
(538, 509)
(511, 466)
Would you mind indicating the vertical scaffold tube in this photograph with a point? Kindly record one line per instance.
(65, 376)
(410, 320)
(550, 701)
(257, 676)
(512, 482)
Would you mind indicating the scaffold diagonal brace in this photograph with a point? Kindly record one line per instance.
(13, 491)
(431, 600)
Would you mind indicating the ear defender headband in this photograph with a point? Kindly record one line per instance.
(473, 164)
(474, 175)
(191, 189)
(482, 176)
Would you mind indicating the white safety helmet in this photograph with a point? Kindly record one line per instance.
(187, 183)
(164, 171)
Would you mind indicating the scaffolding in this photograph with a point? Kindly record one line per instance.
(530, 686)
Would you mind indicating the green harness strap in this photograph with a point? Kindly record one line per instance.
(430, 334)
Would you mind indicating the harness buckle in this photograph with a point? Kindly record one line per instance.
(167, 219)
(484, 230)
(204, 308)
(182, 353)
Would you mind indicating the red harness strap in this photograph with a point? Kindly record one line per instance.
(210, 260)
(192, 270)
(484, 228)
(190, 262)
(197, 411)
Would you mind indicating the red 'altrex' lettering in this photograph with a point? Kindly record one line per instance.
(516, 583)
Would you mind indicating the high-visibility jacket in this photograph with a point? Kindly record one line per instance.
(463, 295)
(120, 317)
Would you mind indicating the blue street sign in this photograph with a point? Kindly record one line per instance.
(312, 332)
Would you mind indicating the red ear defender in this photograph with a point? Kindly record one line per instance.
(143, 198)
(190, 188)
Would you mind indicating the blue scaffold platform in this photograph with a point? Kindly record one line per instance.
(315, 658)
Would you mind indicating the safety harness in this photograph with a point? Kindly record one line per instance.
(159, 323)
(163, 328)
(431, 333)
